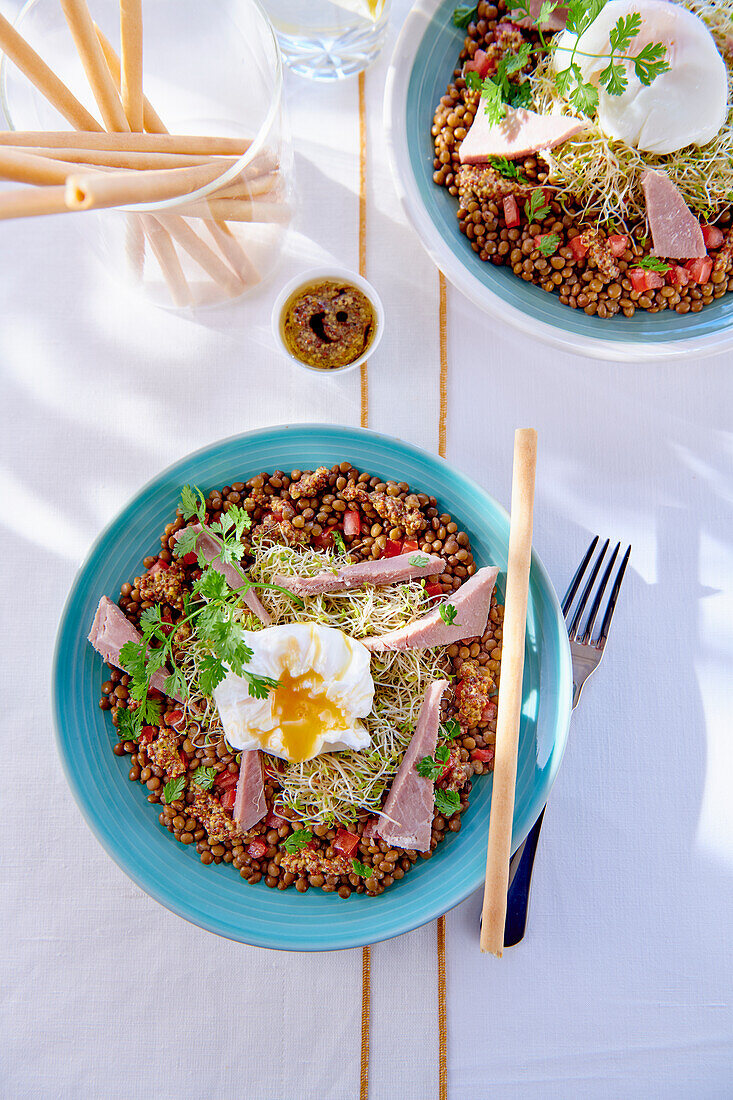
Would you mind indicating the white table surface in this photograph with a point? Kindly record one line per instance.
(622, 986)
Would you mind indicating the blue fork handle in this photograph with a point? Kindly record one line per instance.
(519, 884)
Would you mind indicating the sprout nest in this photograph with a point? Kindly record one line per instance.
(603, 175)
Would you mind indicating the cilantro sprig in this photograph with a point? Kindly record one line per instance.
(548, 244)
(174, 788)
(536, 207)
(652, 263)
(297, 841)
(361, 869)
(447, 613)
(204, 778)
(418, 560)
(463, 15)
(447, 802)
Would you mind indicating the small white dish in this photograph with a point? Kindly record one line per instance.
(338, 274)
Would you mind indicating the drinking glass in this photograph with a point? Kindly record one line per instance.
(329, 39)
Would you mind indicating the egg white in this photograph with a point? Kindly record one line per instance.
(299, 649)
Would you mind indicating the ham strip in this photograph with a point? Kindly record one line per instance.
(675, 230)
(111, 630)
(208, 547)
(402, 567)
(518, 134)
(472, 603)
(407, 815)
(555, 22)
(250, 805)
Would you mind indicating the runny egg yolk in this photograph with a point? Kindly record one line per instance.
(303, 712)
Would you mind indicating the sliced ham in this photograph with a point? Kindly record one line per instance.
(208, 546)
(402, 567)
(371, 829)
(249, 804)
(675, 230)
(111, 630)
(518, 134)
(555, 22)
(407, 814)
(472, 603)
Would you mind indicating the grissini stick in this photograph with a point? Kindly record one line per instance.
(493, 915)
(22, 167)
(48, 84)
(167, 257)
(32, 202)
(235, 255)
(250, 188)
(188, 145)
(204, 256)
(131, 59)
(111, 158)
(94, 190)
(90, 52)
(151, 120)
(238, 210)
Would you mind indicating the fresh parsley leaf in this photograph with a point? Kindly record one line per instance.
(211, 672)
(447, 802)
(463, 15)
(546, 10)
(549, 244)
(447, 613)
(649, 63)
(450, 729)
(473, 80)
(652, 263)
(204, 778)
(361, 869)
(338, 538)
(418, 560)
(565, 79)
(520, 95)
(186, 543)
(260, 686)
(506, 169)
(613, 78)
(211, 585)
(151, 623)
(174, 788)
(520, 6)
(193, 503)
(442, 753)
(581, 13)
(176, 685)
(128, 726)
(296, 841)
(584, 97)
(493, 100)
(427, 768)
(625, 31)
(132, 659)
(149, 712)
(514, 62)
(536, 208)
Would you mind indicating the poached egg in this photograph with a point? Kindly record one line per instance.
(325, 687)
(685, 106)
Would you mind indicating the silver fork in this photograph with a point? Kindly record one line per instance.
(587, 652)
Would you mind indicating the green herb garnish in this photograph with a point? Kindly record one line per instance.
(174, 788)
(450, 729)
(507, 169)
(652, 263)
(442, 754)
(296, 841)
(338, 538)
(536, 207)
(418, 560)
(204, 778)
(548, 245)
(447, 613)
(447, 802)
(463, 15)
(429, 768)
(361, 869)
(127, 728)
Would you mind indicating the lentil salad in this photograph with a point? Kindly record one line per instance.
(295, 514)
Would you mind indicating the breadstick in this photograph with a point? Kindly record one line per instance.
(188, 145)
(87, 44)
(203, 255)
(510, 693)
(48, 84)
(32, 201)
(25, 167)
(234, 254)
(170, 265)
(249, 188)
(94, 190)
(131, 57)
(151, 121)
(238, 210)
(111, 158)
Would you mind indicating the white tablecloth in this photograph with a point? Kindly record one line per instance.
(622, 987)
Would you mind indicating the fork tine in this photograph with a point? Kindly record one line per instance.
(612, 600)
(595, 607)
(575, 582)
(585, 594)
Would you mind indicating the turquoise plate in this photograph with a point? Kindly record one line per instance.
(127, 826)
(422, 64)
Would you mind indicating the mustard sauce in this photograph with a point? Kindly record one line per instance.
(328, 324)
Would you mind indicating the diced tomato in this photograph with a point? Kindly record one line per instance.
(352, 524)
(174, 718)
(392, 549)
(189, 559)
(409, 546)
(274, 821)
(447, 772)
(311, 846)
(147, 735)
(578, 247)
(700, 269)
(345, 842)
(480, 63)
(618, 243)
(324, 541)
(276, 517)
(678, 276)
(228, 798)
(183, 758)
(157, 567)
(489, 711)
(712, 236)
(433, 590)
(511, 211)
(642, 280)
(458, 690)
(225, 781)
(256, 849)
(484, 755)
